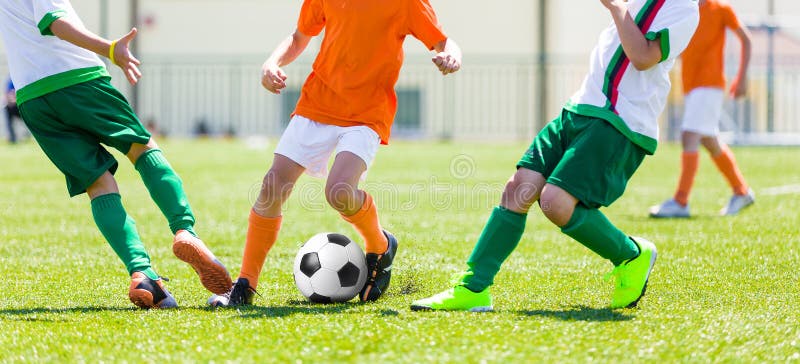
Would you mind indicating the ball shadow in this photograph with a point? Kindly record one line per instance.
(295, 307)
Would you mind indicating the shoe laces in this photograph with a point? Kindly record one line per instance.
(239, 292)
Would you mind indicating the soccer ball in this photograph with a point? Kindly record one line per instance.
(330, 268)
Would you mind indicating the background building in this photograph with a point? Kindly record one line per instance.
(202, 60)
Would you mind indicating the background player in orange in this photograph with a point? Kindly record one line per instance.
(704, 85)
(347, 104)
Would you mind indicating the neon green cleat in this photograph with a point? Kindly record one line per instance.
(632, 275)
(458, 298)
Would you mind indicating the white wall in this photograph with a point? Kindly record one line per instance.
(254, 27)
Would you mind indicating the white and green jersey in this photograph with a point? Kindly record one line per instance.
(41, 63)
(629, 99)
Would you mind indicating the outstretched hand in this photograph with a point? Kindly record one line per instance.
(446, 62)
(125, 60)
(738, 88)
(273, 78)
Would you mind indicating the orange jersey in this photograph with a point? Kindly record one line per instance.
(352, 80)
(703, 59)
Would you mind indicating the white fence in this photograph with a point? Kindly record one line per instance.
(491, 98)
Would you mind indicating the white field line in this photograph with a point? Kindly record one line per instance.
(780, 190)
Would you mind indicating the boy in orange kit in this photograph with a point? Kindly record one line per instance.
(704, 84)
(347, 104)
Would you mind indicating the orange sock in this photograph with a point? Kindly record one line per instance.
(262, 232)
(365, 221)
(726, 163)
(689, 163)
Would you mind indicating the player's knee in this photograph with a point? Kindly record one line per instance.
(273, 187)
(555, 208)
(341, 196)
(521, 191)
(137, 150)
(712, 144)
(104, 185)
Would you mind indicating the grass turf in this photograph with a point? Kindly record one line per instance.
(724, 289)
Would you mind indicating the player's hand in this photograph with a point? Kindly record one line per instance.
(272, 78)
(738, 88)
(125, 59)
(446, 62)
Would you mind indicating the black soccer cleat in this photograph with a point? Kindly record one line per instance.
(379, 271)
(240, 294)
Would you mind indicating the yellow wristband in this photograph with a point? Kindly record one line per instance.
(111, 52)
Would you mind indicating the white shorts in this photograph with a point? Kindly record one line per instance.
(310, 144)
(703, 110)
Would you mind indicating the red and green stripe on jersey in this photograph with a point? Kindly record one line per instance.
(619, 62)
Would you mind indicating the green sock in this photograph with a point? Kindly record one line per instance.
(166, 189)
(592, 229)
(119, 229)
(499, 238)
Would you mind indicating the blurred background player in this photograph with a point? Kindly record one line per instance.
(66, 99)
(12, 112)
(703, 76)
(347, 104)
(584, 159)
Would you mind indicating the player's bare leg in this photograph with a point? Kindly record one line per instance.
(277, 185)
(263, 226)
(357, 207)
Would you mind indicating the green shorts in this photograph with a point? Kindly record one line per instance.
(585, 156)
(69, 124)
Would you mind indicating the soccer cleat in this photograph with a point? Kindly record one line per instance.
(631, 276)
(669, 208)
(379, 271)
(458, 298)
(148, 293)
(213, 275)
(738, 202)
(238, 295)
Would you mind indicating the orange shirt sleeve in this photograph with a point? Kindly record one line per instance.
(423, 24)
(729, 18)
(312, 18)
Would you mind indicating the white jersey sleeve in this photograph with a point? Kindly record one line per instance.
(674, 28)
(40, 63)
(45, 12)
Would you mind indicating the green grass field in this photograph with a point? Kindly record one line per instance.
(723, 290)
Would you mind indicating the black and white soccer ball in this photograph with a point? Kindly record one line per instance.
(330, 268)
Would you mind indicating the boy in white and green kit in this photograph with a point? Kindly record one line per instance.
(584, 159)
(70, 107)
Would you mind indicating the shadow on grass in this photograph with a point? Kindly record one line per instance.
(296, 307)
(581, 313)
(644, 217)
(32, 314)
